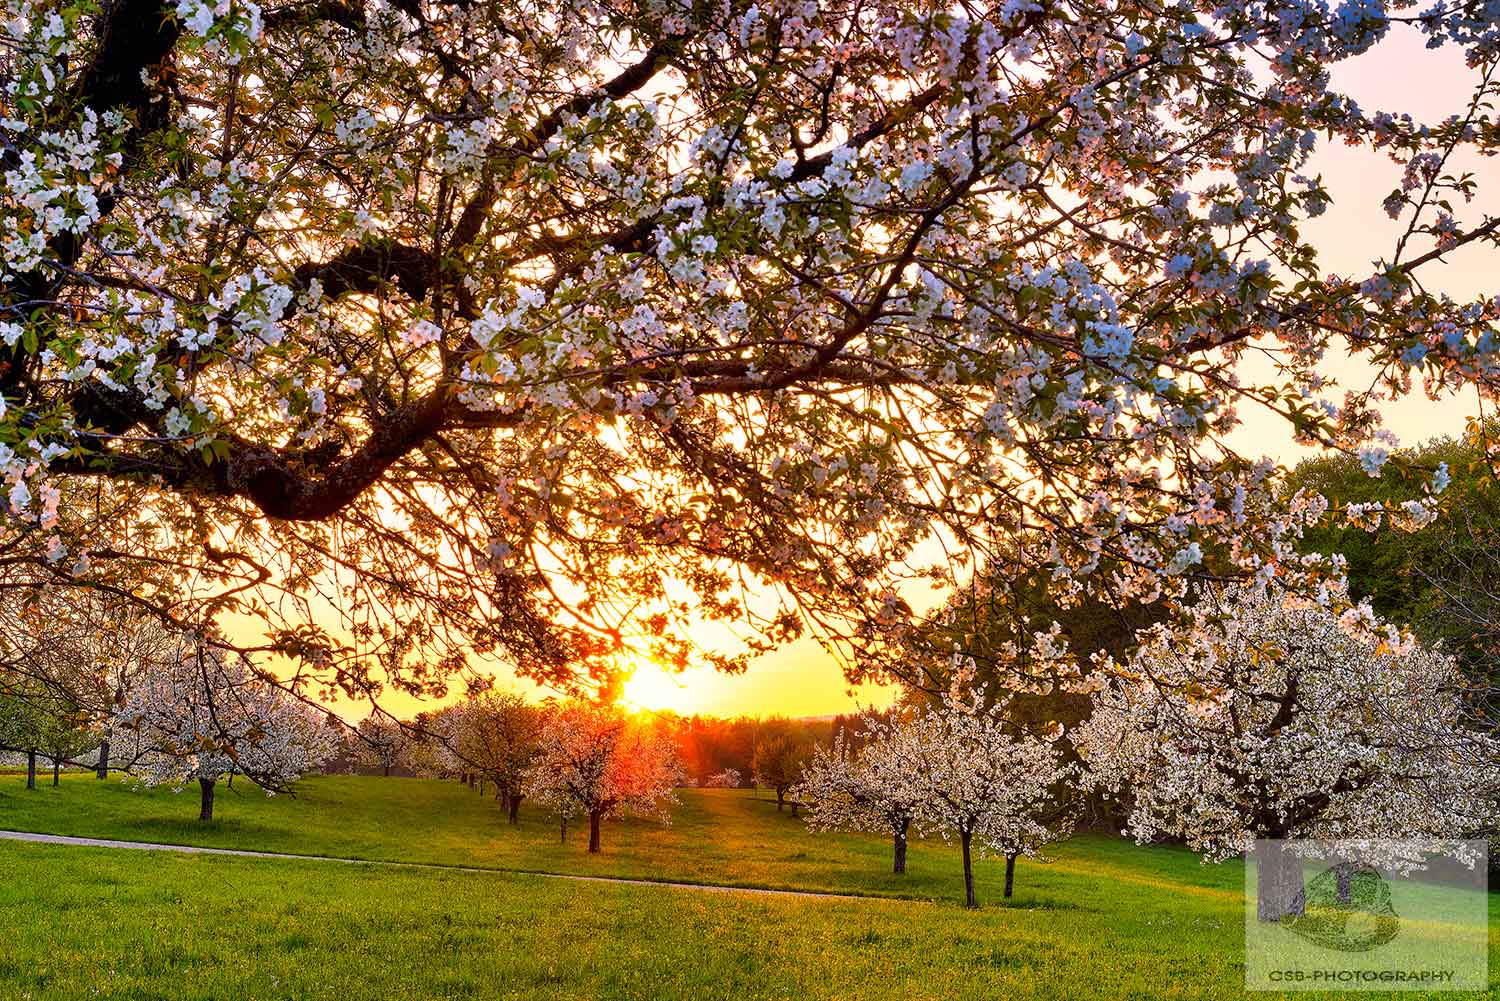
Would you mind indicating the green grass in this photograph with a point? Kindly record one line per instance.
(1107, 919)
(731, 837)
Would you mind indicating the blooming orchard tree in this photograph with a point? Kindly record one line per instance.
(867, 790)
(976, 780)
(84, 651)
(520, 315)
(729, 778)
(598, 762)
(1276, 721)
(203, 716)
(499, 735)
(379, 741)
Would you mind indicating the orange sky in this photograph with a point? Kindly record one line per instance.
(1400, 75)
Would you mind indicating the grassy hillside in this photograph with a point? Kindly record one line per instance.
(1107, 919)
(728, 836)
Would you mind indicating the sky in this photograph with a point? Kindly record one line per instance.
(1399, 75)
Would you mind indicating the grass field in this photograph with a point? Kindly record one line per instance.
(1107, 919)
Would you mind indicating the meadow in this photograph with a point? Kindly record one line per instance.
(1104, 919)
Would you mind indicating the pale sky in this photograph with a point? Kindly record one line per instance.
(1400, 75)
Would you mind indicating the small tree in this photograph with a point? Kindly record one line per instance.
(867, 791)
(779, 759)
(729, 778)
(1279, 720)
(597, 762)
(499, 735)
(977, 780)
(203, 716)
(379, 741)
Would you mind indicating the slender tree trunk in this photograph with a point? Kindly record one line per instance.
(1344, 874)
(969, 899)
(206, 810)
(103, 770)
(898, 866)
(56, 771)
(386, 771)
(795, 805)
(31, 769)
(515, 807)
(231, 780)
(481, 785)
(564, 838)
(1278, 876)
(1010, 874)
(594, 818)
(780, 798)
(473, 780)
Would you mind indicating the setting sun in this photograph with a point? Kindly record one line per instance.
(652, 687)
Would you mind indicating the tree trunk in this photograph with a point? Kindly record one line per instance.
(515, 807)
(103, 770)
(780, 798)
(795, 804)
(594, 831)
(1344, 874)
(386, 771)
(472, 781)
(206, 810)
(564, 838)
(31, 769)
(969, 899)
(1010, 874)
(56, 771)
(899, 865)
(1278, 878)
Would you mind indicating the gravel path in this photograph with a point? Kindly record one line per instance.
(59, 839)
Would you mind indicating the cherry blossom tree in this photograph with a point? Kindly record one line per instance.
(204, 716)
(864, 790)
(977, 780)
(82, 650)
(379, 741)
(1278, 720)
(729, 778)
(505, 320)
(499, 735)
(599, 763)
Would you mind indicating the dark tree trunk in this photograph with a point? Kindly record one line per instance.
(515, 807)
(103, 770)
(1344, 874)
(1278, 878)
(795, 805)
(473, 780)
(970, 900)
(898, 866)
(594, 819)
(481, 786)
(563, 839)
(1010, 874)
(56, 771)
(206, 810)
(780, 798)
(386, 771)
(31, 769)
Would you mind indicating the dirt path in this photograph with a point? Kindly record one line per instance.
(59, 839)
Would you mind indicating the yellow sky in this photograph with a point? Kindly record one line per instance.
(800, 679)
